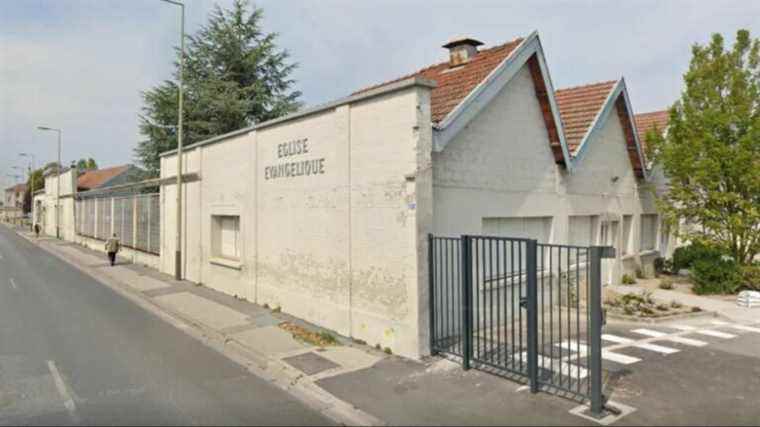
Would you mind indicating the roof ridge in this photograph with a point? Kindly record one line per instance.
(652, 112)
(516, 40)
(587, 85)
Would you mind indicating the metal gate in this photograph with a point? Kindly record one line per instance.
(522, 309)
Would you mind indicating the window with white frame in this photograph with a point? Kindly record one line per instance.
(627, 224)
(225, 237)
(648, 232)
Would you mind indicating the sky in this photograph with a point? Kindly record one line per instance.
(80, 65)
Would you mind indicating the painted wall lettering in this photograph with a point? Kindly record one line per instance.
(294, 168)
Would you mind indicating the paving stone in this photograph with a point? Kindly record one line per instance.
(310, 363)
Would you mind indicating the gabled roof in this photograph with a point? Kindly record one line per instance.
(578, 107)
(97, 178)
(455, 83)
(648, 121)
(585, 108)
(462, 91)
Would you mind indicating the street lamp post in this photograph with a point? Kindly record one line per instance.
(178, 243)
(58, 183)
(31, 186)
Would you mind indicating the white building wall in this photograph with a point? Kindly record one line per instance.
(343, 248)
(68, 181)
(501, 166)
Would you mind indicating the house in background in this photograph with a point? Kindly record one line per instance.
(13, 202)
(646, 122)
(107, 177)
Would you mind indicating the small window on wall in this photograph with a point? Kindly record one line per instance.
(648, 232)
(627, 224)
(226, 237)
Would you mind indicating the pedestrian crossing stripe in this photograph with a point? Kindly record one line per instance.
(672, 338)
(556, 365)
(643, 345)
(716, 334)
(707, 332)
(606, 354)
(738, 327)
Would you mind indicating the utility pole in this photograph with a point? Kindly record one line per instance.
(178, 243)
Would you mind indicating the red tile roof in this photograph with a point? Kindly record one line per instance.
(95, 178)
(18, 188)
(454, 84)
(578, 106)
(647, 121)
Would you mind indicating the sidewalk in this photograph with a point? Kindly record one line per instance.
(727, 309)
(350, 383)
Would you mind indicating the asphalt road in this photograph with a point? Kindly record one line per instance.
(73, 352)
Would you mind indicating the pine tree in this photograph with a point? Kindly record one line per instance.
(235, 76)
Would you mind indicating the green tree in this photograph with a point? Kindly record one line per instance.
(711, 152)
(38, 179)
(235, 76)
(86, 164)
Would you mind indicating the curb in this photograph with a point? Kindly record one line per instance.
(270, 369)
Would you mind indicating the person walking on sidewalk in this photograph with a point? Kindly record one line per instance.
(37, 229)
(112, 247)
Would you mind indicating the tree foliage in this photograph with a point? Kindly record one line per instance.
(711, 151)
(86, 164)
(234, 76)
(38, 179)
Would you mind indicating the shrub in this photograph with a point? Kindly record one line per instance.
(716, 275)
(666, 284)
(627, 280)
(686, 256)
(751, 277)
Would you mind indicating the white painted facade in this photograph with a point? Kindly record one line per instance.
(347, 249)
(344, 247)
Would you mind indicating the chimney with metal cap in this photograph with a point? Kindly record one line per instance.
(461, 50)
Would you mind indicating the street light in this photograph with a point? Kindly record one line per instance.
(31, 184)
(58, 183)
(178, 252)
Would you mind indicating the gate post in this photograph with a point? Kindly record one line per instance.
(431, 292)
(596, 253)
(531, 266)
(467, 308)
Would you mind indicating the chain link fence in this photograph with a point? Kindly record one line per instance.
(135, 219)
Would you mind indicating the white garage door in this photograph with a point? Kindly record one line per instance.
(538, 228)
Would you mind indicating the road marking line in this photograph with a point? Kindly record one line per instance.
(684, 328)
(13, 283)
(646, 346)
(68, 402)
(559, 366)
(738, 327)
(746, 328)
(673, 338)
(606, 354)
(716, 334)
